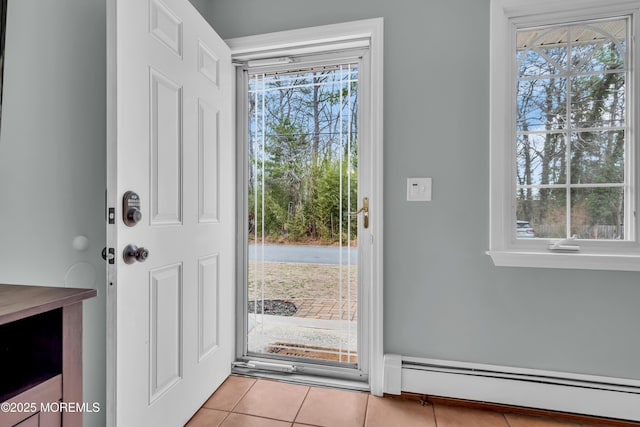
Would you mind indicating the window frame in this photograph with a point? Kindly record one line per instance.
(506, 17)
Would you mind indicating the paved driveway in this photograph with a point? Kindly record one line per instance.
(302, 254)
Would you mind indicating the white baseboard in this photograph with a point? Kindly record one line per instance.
(556, 391)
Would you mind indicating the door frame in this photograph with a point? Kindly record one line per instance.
(312, 40)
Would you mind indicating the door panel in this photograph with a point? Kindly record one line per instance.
(166, 26)
(208, 310)
(208, 143)
(166, 329)
(166, 150)
(170, 141)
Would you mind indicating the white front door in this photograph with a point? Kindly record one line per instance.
(171, 316)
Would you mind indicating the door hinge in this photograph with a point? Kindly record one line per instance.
(111, 216)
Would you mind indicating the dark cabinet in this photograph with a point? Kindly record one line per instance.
(41, 355)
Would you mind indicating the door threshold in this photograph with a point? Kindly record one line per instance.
(301, 379)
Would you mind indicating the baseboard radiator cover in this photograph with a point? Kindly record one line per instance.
(548, 390)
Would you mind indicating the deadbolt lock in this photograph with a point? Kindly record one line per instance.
(131, 213)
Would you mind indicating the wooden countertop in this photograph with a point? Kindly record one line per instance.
(18, 301)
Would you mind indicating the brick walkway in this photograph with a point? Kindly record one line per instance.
(328, 309)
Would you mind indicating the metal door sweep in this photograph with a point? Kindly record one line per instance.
(265, 366)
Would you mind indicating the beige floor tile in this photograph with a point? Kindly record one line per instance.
(272, 399)
(207, 418)
(241, 420)
(333, 408)
(454, 416)
(241, 402)
(229, 393)
(515, 420)
(392, 412)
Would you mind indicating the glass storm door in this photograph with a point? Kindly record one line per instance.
(302, 284)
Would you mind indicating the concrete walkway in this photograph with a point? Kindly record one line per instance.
(265, 330)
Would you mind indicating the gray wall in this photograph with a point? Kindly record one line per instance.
(201, 5)
(443, 297)
(52, 160)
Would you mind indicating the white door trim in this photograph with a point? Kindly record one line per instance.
(342, 36)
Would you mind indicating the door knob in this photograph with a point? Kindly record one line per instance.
(132, 253)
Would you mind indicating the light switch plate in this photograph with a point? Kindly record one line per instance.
(418, 189)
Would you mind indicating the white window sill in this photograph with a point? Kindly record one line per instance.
(583, 261)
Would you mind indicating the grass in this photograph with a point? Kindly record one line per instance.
(300, 281)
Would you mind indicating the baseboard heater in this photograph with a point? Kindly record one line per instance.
(555, 391)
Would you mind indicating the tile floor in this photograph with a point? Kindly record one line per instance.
(250, 402)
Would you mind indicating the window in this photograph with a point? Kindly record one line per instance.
(564, 160)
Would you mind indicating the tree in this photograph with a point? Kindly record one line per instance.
(303, 143)
(581, 87)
